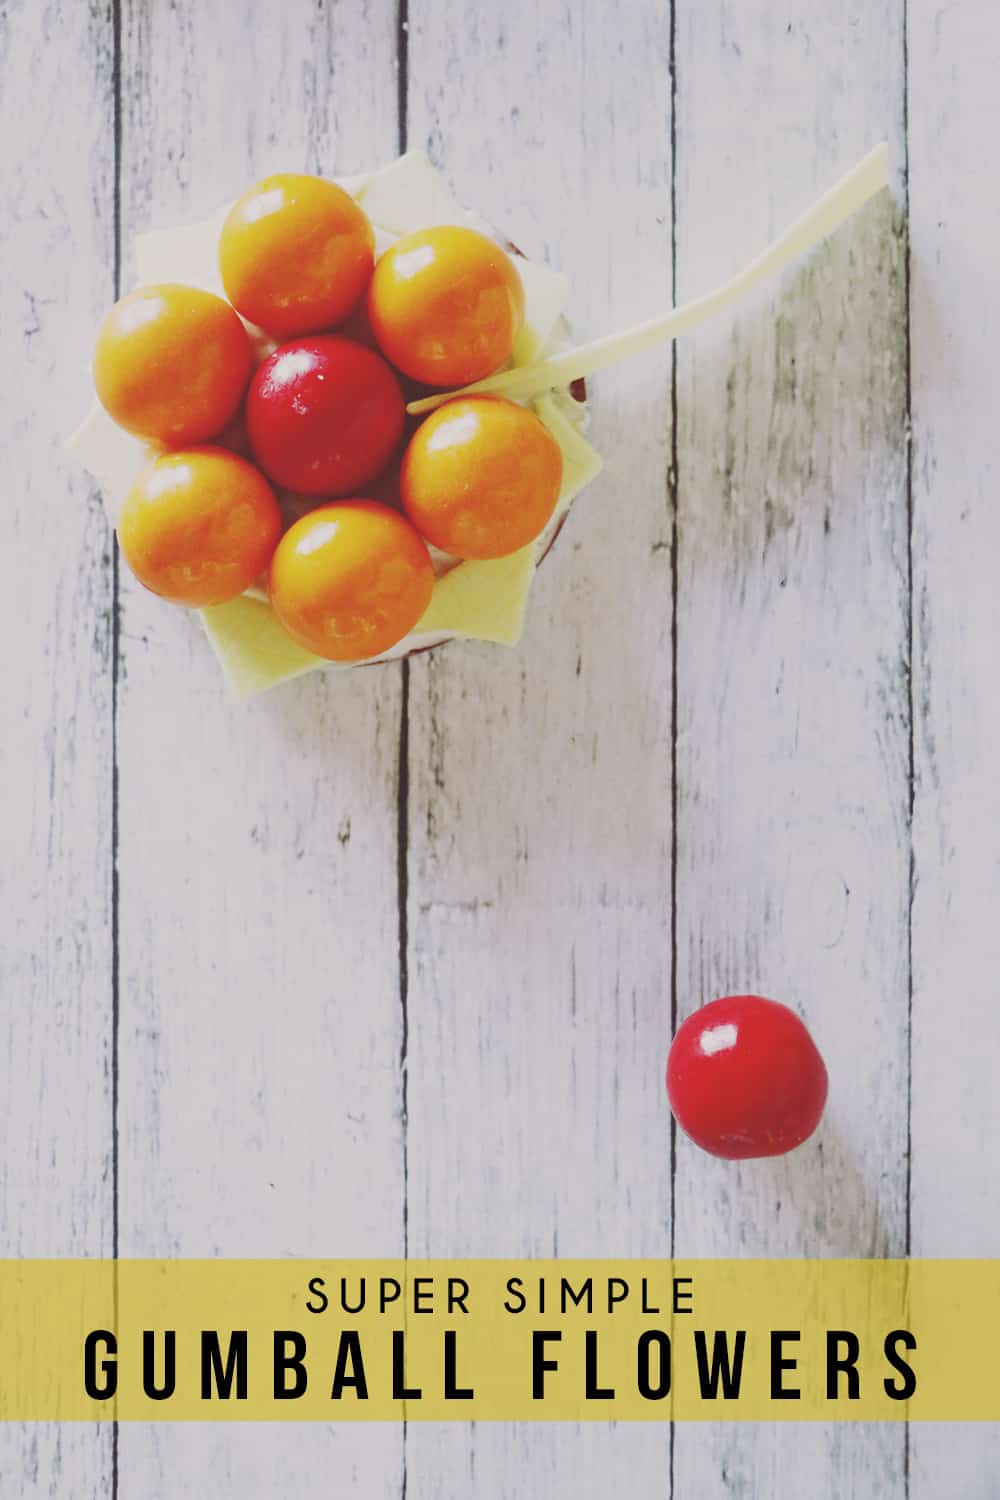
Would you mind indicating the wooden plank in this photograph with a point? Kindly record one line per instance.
(56, 235)
(792, 670)
(260, 1038)
(539, 811)
(955, 325)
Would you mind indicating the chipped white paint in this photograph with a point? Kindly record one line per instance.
(539, 810)
(260, 1018)
(265, 1047)
(56, 236)
(792, 764)
(955, 213)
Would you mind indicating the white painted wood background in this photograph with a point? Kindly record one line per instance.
(390, 963)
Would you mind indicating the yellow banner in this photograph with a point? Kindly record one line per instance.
(499, 1340)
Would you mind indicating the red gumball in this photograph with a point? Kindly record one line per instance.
(744, 1078)
(324, 416)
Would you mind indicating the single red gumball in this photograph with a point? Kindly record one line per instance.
(324, 416)
(744, 1078)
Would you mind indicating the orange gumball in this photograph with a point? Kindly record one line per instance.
(171, 364)
(446, 305)
(199, 526)
(296, 254)
(481, 477)
(350, 579)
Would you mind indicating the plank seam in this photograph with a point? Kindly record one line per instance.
(673, 505)
(911, 744)
(116, 85)
(402, 899)
(403, 774)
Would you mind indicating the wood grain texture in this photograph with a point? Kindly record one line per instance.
(56, 236)
(955, 227)
(260, 1016)
(539, 809)
(288, 1081)
(792, 760)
